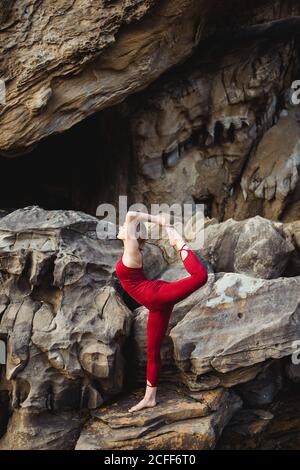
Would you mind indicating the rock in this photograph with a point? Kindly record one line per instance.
(195, 106)
(246, 425)
(62, 319)
(155, 262)
(271, 174)
(199, 126)
(180, 420)
(255, 246)
(292, 230)
(109, 54)
(293, 371)
(263, 389)
(283, 432)
(3, 213)
(276, 427)
(242, 321)
(42, 431)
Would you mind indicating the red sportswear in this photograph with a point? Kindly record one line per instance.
(159, 297)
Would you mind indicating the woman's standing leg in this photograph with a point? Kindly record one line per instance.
(157, 325)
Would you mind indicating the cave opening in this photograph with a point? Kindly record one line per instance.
(89, 164)
(99, 159)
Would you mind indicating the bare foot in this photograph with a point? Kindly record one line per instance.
(144, 403)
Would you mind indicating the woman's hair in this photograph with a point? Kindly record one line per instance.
(142, 234)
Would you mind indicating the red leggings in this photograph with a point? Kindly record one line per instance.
(160, 297)
(166, 296)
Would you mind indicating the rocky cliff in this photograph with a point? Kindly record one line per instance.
(75, 342)
(164, 101)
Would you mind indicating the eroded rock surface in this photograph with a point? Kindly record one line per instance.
(181, 419)
(240, 322)
(109, 49)
(217, 129)
(275, 427)
(61, 317)
(67, 323)
(255, 246)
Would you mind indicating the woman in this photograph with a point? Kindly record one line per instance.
(158, 296)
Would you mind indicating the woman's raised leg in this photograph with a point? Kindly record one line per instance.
(173, 292)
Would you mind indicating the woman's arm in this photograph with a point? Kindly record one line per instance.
(161, 219)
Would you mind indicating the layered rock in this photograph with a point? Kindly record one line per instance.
(118, 49)
(239, 322)
(72, 334)
(182, 419)
(270, 180)
(204, 129)
(218, 127)
(108, 49)
(274, 427)
(62, 318)
(255, 246)
(221, 97)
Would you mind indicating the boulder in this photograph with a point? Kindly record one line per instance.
(241, 321)
(80, 58)
(255, 246)
(62, 319)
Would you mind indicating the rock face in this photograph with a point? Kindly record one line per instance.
(184, 420)
(239, 322)
(204, 88)
(275, 427)
(209, 126)
(62, 319)
(192, 103)
(117, 49)
(73, 336)
(110, 49)
(272, 173)
(255, 246)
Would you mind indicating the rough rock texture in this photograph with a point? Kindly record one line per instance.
(72, 335)
(195, 105)
(41, 430)
(183, 420)
(238, 321)
(272, 173)
(109, 49)
(61, 316)
(275, 427)
(213, 123)
(263, 389)
(207, 128)
(255, 246)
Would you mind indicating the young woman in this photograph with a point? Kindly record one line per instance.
(158, 296)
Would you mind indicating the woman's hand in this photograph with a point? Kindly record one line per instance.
(163, 219)
(174, 238)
